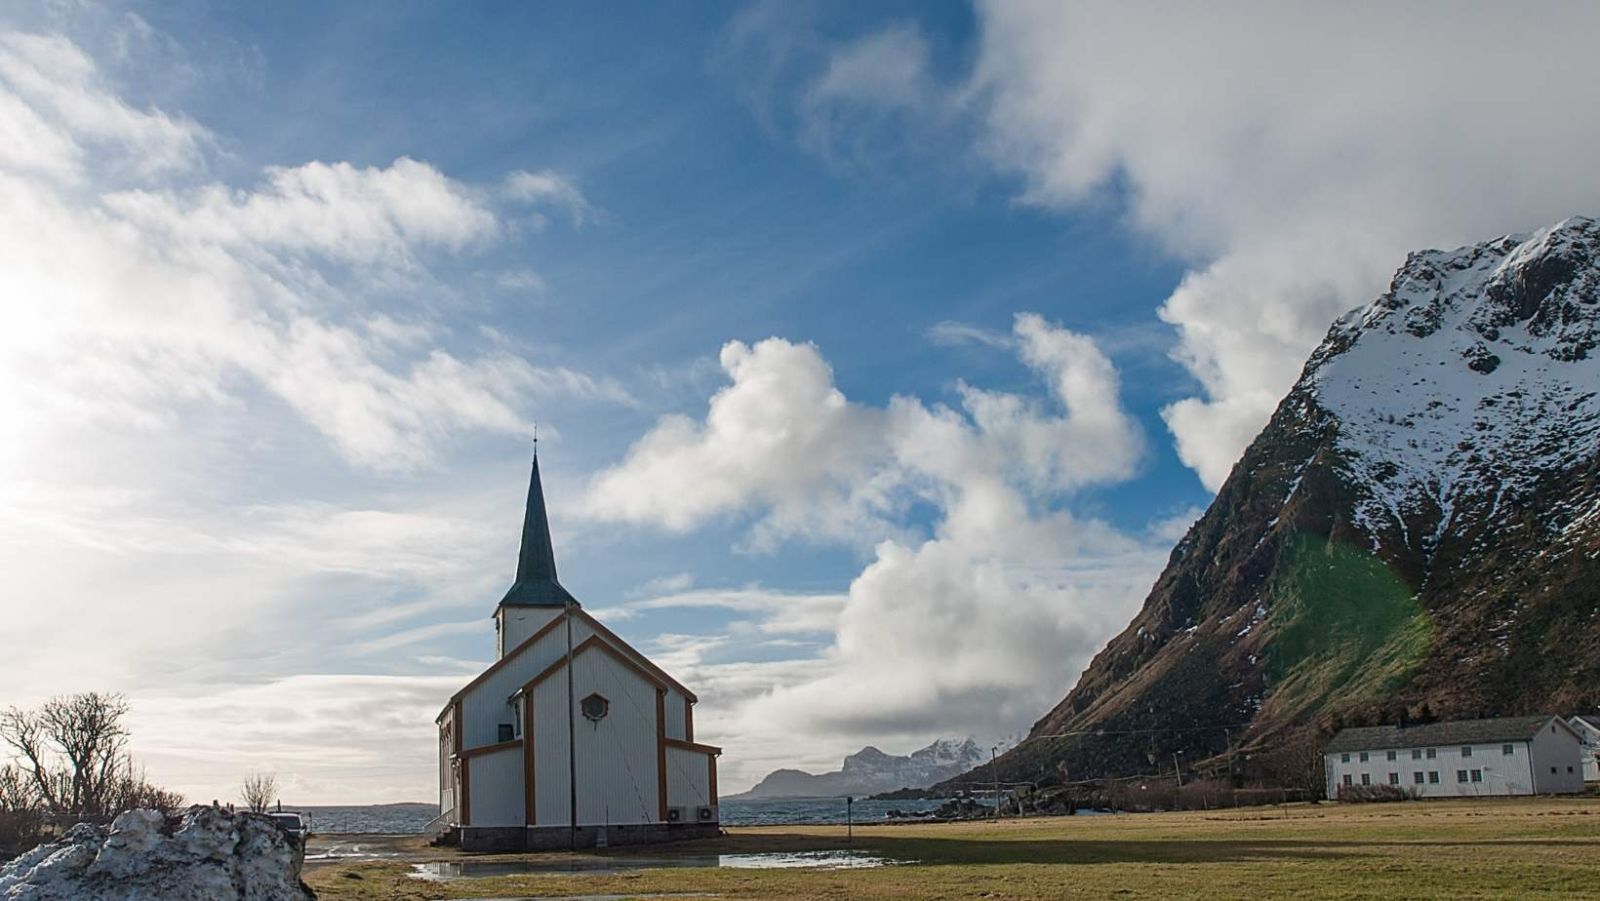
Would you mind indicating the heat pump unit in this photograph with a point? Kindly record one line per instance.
(674, 814)
(706, 814)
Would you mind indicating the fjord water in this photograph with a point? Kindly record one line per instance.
(404, 819)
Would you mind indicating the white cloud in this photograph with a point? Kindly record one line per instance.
(781, 436)
(547, 188)
(1294, 152)
(126, 304)
(976, 627)
(331, 739)
(53, 103)
(336, 210)
(187, 359)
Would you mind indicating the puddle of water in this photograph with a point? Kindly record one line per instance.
(480, 869)
(596, 897)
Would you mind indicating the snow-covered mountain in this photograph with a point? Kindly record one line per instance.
(1414, 533)
(869, 771)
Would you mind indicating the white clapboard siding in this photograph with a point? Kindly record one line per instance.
(688, 779)
(496, 782)
(616, 756)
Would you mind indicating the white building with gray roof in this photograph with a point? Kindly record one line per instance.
(1587, 725)
(1519, 755)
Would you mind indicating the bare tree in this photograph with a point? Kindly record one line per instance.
(259, 791)
(71, 759)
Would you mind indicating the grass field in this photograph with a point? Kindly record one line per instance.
(1435, 849)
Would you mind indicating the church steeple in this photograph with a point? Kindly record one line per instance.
(536, 584)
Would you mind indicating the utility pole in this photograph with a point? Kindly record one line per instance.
(572, 740)
(994, 775)
(1176, 769)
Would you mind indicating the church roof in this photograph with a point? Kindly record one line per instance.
(536, 584)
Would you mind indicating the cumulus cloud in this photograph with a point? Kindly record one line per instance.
(1293, 152)
(983, 622)
(780, 437)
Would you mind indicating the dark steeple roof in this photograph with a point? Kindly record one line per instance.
(536, 584)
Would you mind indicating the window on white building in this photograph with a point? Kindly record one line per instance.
(1416, 753)
(1348, 780)
(1508, 750)
(1344, 758)
(1363, 756)
(1466, 750)
(1461, 775)
(1477, 775)
(1433, 777)
(1416, 777)
(1366, 778)
(1394, 778)
(1432, 753)
(1390, 755)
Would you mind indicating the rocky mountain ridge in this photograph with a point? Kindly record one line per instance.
(1413, 534)
(869, 771)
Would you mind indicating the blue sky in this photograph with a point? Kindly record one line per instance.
(882, 347)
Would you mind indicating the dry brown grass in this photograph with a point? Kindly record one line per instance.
(1437, 849)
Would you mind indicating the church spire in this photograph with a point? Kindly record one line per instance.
(536, 584)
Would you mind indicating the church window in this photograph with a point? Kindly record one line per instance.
(594, 707)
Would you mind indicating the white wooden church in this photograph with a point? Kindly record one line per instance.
(570, 738)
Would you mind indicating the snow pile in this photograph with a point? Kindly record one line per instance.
(212, 855)
(1475, 376)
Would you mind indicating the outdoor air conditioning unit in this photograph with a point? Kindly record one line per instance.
(706, 814)
(675, 814)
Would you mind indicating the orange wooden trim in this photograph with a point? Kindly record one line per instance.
(530, 812)
(481, 750)
(661, 751)
(661, 675)
(693, 746)
(688, 719)
(494, 667)
(711, 778)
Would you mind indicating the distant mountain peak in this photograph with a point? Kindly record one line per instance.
(1415, 529)
(870, 770)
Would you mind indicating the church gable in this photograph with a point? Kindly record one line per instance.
(619, 752)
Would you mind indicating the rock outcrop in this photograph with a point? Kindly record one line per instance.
(211, 855)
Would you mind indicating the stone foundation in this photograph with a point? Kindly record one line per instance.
(559, 838)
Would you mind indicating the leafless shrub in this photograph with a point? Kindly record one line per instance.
(259, 791)
(1374, 794)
